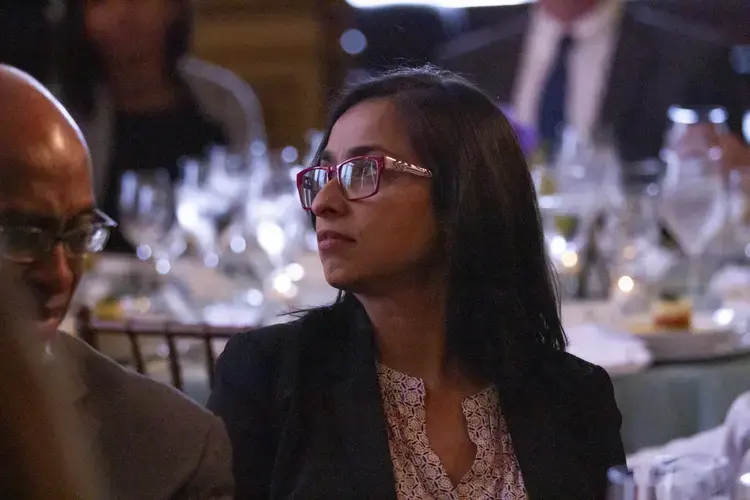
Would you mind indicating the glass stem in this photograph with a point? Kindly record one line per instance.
(694, 275)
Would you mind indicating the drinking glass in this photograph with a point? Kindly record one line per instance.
(583, 182)
(690, 477)
(739, 198)
(694, 190)
(693, 206)
(146, 209)
(684, 477)
(278, 224)
(202, 209)
(629, 238)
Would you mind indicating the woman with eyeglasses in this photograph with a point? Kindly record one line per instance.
(440, 371)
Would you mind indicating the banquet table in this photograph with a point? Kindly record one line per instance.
(658, 403)
(672, 401)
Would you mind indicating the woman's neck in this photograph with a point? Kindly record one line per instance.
(410, 331)
(141, 85)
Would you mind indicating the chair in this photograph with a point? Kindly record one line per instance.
(90, 329)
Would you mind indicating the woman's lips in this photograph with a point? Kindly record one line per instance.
(330, 240)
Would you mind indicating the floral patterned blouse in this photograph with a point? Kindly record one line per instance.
(419, 474)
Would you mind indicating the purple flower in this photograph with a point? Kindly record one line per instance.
(526, 135)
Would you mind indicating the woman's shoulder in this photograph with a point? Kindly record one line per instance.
(264, 343)
(271, 348)
(572, 377)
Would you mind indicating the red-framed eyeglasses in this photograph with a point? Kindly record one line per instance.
(357, 177)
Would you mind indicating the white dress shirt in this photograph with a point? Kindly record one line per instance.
(595, 37)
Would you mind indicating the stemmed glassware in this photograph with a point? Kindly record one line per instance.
(279, 225)
(630, 238)
(739, 198)
(146, 208)
(584, 180)
(693, 192)
(685, 477)
(203, 205)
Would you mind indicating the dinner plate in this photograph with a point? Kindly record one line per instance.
(710, 337)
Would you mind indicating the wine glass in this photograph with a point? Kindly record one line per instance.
(693, 206)
(739, 198)
(146, 209)
(201, 209)
(583, 182)
(278, 224)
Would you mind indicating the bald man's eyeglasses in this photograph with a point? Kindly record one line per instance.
(24, 244)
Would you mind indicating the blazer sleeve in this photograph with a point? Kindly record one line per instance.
(213, 476)
(242, 397)
(606, 436)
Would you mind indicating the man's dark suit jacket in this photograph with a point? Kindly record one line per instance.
(301, 403)
(659, 61)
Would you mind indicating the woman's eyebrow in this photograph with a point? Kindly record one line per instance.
(326, 157)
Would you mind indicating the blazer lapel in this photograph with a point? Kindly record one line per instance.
(634, 57)
(74, 393)
(532, 432)
(361, 419)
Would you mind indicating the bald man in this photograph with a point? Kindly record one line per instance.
(151, 442)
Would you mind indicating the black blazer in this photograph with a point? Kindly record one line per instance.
(301, 403)
(659, 61)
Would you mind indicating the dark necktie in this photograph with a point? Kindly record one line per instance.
(552, 101)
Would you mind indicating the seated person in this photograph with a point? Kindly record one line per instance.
(151, 441)
(142, 104)
(441, 371)
(42, 456)
(600, 64)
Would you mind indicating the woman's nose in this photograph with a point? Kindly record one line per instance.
(329, 201)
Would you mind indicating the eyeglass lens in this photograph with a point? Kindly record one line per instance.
(358, 179)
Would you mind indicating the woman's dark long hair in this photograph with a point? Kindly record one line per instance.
(502, 308)
(83, 68)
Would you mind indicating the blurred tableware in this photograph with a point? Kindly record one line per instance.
(690, 477)
(693, 197)
(629, 240)
(146, 207)
(693, 194)
(583, 182)
(622, 485)
(739, 198)
(201, 209)
(741, 486)
(279, 224)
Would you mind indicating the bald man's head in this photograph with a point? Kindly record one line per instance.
(45, 190)
(35, 129)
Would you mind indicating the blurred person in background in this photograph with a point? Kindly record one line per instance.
(42, 455)
(440, 371)
(141, 101)
(151, 441)
(25, 37)
(596, 64)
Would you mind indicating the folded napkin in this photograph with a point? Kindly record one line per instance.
(618, 353)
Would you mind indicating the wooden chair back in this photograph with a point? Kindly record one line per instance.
(90, 329)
